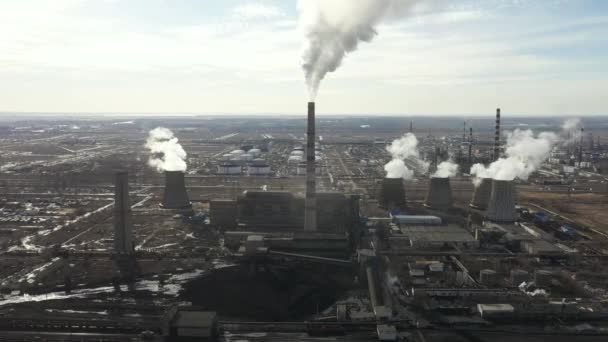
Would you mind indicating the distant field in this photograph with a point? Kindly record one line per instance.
(587, 209)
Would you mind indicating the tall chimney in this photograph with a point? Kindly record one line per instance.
(497, 136)
(310, 216)
(470, 146)
(501, 207)
(481, 194)
(175, 196)
(580, 150)
(123, 230)
(439, 195)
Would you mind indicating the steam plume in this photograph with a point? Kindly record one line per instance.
(333, 28)
(446, 169)
(405, 147)
(166, 152)
(525, 153)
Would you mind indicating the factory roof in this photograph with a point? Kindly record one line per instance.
(444, 233)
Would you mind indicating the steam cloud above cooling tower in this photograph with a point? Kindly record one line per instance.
(333, 28)
(446, 169)
(166, 152)
(525, 152)
(405, 147)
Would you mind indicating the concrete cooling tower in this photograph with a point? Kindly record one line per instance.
(392, 194)
(439, 195)
(481, 194)
(175, 196)
(501, 207)
(123, 230)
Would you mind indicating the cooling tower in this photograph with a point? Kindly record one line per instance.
(123, 230)
(439, 195)
(392, 194)
(310, 212)
(501, 207)
(481, 194)
(175, 196)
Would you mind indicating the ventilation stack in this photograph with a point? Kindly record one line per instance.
(497, 136)
(175, 196)
(392, 194)
(501, 207)
(481, 194)
(310, 206)
(123, 230)
(439, 195)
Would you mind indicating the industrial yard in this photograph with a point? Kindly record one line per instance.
(253, 242)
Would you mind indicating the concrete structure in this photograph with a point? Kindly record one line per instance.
(223, 213)
(175, 196)
(518, 276)
(501, 207)
(310, 205)
(123, 229)
(488, 277)
(392, 194)
(439, 195)
(189, 324)
(439, 236)
(481, 194)
(497, 136)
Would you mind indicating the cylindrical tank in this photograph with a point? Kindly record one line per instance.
(255, 152)
(229, 169)
(175, 196)
(481, 194)
(439, 195)
(259, 170)
(501, 207)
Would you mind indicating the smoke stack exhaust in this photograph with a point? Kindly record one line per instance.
(497, 136)
(123, 230)
(310, 216)
(439, 195)
(481, 194)
(175, 196)
(501, 207)
(392, 194)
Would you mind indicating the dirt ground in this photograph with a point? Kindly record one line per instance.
(586, 209)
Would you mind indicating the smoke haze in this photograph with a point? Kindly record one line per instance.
(166, 152)
(405, 147)
(525, 152)
(446, 169)
(334, 28)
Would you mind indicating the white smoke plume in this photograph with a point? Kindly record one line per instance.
(446, 169)
(525, 152)
(166, 152)
(405, 147)
(334, 28)
(572, 130)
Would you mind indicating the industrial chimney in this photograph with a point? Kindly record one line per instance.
(310, 205)
(175, 196)
(497, 136)
(123, 230)
(439, 195)
(501, 207)
(481, 194)
(392, 194)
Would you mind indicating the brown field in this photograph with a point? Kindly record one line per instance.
(587, 209)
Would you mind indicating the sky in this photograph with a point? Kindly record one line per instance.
(449, 57)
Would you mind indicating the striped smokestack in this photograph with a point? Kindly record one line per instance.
(497, 136)
(310, 216)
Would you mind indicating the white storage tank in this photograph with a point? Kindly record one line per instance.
(246, 157)
(255, 152)
(259, 170)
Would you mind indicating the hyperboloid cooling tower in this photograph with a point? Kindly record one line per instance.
(392, 194)
(481, 194)
(501, 207)
(175, 196)
(439, 195)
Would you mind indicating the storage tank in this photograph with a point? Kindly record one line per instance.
(259, 170)
(229, 169)
(255, 152)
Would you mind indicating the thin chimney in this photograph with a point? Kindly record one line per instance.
(123, 230)
(310, 216)
(497, 136)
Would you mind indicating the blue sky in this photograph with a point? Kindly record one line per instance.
(449, 57)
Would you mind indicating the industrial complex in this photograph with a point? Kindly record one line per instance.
(283, 229)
